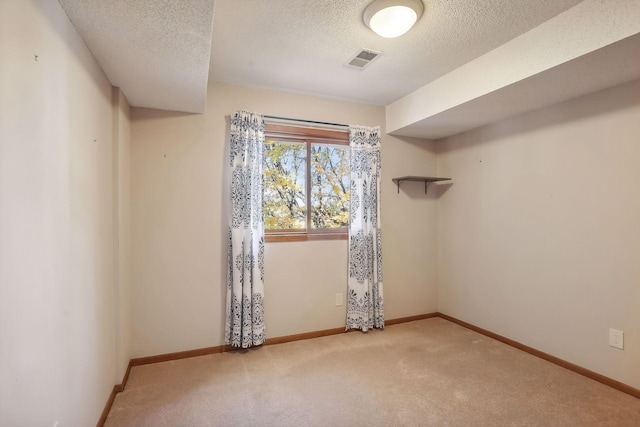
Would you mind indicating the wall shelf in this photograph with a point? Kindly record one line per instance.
(426, 179)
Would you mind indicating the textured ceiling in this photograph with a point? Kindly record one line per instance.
(156, 51)
(466, 63)
(302, 45)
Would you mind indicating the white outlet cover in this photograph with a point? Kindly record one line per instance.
(616, 338)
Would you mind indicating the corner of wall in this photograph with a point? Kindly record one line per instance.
(121, 131)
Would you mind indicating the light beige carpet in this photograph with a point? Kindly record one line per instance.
(425, 373)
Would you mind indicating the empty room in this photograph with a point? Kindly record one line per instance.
(319, 213)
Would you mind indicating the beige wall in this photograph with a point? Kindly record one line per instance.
(113, 226)
(179, 227)
(57, 228)
(121, 119)
(538, 237)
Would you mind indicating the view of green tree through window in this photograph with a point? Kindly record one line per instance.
(285, 200)
(306, 188)
(329, 186)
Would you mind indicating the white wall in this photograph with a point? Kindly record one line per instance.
(180, 219)
(57, 304)
(538, 237)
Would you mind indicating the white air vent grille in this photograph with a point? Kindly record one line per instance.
(363, 58)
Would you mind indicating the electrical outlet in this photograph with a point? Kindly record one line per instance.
(338, 300)
(616, 339)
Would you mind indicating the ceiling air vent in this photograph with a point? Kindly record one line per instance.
(363, 59)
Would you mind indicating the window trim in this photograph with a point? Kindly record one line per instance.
(308, 136)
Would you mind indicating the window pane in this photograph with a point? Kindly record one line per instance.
(329, 186)
(284, 185)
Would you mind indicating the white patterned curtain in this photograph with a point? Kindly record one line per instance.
(245, 283)
(365, 308)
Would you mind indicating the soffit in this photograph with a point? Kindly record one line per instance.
(589, 47)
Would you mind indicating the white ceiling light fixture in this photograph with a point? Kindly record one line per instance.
(392, 18)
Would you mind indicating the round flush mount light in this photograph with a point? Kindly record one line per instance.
(392, 18)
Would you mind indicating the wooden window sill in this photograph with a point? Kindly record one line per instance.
(291, 237)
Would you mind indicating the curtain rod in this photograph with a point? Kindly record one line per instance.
(304, 121)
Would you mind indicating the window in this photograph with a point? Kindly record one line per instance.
(306, 184)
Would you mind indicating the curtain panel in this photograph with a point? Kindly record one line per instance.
(244, 326)
(365, 308)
